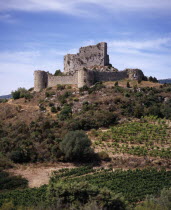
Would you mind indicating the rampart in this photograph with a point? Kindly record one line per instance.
(89, 66)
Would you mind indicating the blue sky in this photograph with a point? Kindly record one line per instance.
(36, 34)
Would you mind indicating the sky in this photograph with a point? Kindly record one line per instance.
(36, 34)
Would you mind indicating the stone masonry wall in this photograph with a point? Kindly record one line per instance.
(62, 80)
(88, 56)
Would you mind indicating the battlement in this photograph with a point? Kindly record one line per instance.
(87, 57)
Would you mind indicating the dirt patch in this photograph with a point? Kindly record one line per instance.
(38, 174)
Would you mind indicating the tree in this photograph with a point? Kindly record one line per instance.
(58, 73)
(128, 85)
(116, 84)
(76, 146)
(21, 93)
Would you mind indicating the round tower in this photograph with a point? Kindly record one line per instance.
(40, 80)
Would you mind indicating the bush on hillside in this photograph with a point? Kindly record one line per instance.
(76, 146)
(92, 119)
(162, 202)
(81, 195)
(21, 93)
(19, 156)
(65, 113)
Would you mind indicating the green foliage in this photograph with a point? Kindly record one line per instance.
(8, 182)
(162, 202)
(152, 79)
(128, 85)
(5, 162)
(62, 98)
(98, 86)
(150, 136)
(21, 93)
(20, 156)
(133, 184)
(84, 88)
(65, 113)
(49, 93)
(60, 87)
(4, 100)
(76, 146)
(116, 84)
(53, 109)
(81, 193)
(58, 73)
(29, 143)
(92, 119)
(26, 197)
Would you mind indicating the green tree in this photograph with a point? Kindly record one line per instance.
(58, 73)
(76, 146)
(128, 85)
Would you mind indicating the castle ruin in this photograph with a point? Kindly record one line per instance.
(87, 67)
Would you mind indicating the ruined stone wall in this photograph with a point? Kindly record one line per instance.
(88, 56)
(109, 76)
(62, 80)
(89, 77)
(83, 77)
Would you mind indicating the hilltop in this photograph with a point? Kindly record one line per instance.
(126, 124)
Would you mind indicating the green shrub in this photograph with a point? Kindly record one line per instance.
(82, 193)
(76, 146)
(19, 156)
(5, 162)
(8, 182)
(84, 88)
(21, 93)
(65, 113)
(58, 73)
(128, 85)
(92, 119)
(53, 109)
(49, 94)
(60, 87)
(163, 202)
(116, 84)
(98, 86)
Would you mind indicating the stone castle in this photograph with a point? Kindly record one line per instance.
(87, 67)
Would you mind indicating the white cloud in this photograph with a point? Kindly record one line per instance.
(142, 45)
(77, 7)
(152, 56)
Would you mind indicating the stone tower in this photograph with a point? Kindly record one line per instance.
(40, 80)
(93, 55)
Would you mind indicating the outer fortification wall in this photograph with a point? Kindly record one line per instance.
(88, 56)
(62, 80)
(85, 68)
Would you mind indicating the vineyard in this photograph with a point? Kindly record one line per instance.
(148, 137)
(133, 184)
